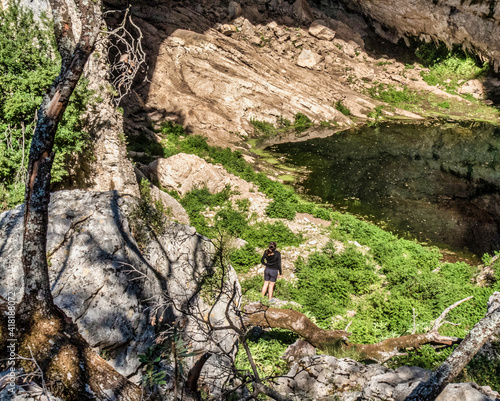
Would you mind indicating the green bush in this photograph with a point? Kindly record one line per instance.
(339, 105)
(195, 144)
(305, 207)
(482, 370)
(260, 234)
(254, 283)
(302, 123)
(321, 213)
(263, 128)
(280, 209)
(244, 259)
(29, 62)
(231, 221)
(449, 67)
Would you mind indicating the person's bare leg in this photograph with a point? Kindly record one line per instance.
(264, 289)
(271, 289)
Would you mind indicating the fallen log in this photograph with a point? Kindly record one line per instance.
(257, 314)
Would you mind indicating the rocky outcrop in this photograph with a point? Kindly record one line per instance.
(472, 24)
(326, 377)
(120, 293)
(264, 61)
(184, 172)
(172, 207)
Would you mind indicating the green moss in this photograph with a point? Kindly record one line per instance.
(287, 178)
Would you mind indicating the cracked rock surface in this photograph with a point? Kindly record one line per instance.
(324, 377)
(108, 283)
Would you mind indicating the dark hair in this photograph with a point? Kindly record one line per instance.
(272, 246)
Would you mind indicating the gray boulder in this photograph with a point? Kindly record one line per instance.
(121, 294)
(323, 376)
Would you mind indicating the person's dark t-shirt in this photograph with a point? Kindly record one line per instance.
(272, 261)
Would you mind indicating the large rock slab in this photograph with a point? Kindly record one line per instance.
(108, 283)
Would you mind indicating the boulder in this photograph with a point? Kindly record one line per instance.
(473, 87)
(308, 59)
(234, 10)
(183, 173)
(227, 29)
(108, 284)
(318, 376)
(319, 30)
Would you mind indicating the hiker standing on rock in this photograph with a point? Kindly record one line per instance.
(272, 260)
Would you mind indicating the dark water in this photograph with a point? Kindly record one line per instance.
(438, 183)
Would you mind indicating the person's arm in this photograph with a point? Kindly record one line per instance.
(263, 259)
(279, 262)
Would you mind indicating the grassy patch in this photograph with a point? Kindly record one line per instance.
(266, 349)
(449, 68)
(339, 105)
(264, 129)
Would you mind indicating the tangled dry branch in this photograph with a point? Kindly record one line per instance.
(125, 54)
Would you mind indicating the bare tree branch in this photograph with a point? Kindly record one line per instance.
(439, 321)
(449, 369)
(125, 54)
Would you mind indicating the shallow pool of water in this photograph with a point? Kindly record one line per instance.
(437, 183)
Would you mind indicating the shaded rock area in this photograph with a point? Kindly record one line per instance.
(213, 68)
(120, 293)
(472, 24)
(324, 377)
(172, 207)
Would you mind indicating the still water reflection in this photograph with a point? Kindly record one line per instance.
(439, 183)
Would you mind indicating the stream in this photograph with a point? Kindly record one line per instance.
(437, 183)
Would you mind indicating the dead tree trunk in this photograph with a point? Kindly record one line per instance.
(261, 315)
(461, 356)
(71, 368)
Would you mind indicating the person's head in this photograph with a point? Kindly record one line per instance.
(272, 246)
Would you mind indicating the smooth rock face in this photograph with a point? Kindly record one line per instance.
(106, 283)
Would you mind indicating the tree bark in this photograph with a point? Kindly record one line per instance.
(261, 315)
(71, 368)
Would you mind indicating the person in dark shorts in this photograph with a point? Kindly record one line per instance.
(272, 260)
